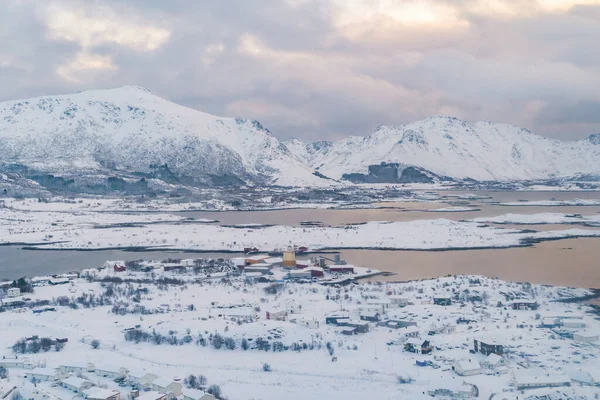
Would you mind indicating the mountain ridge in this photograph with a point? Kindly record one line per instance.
(130, 128)
(447, 146)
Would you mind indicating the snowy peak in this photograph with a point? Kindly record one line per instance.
(131, 129)
(450, 147)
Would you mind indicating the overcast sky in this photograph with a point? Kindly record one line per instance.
(320, 69)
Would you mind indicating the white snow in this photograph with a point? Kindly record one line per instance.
(367, 363)
(447, 146)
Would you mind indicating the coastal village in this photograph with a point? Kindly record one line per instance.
(283, 317)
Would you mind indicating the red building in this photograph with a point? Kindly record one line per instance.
(119, 267)
(315, 272)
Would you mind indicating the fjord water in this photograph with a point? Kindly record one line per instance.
(571, 262)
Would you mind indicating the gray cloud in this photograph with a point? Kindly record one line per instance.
(307, 70)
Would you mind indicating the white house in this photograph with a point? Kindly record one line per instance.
(76, 368)
(495, 362)
(380, 305)
(13, 292)
(42, 374)
(398, 301)
(76, 384)
(582, 377)
(96, 393)
(169, 387)
(452, 388)
(59, 281)
(467, 368)
(292, 307)
(538, 378)
(410, 333)
(276, 315)
(573, 323)
(193, 394)
(111, 372)
(141, 378)
(153, 395)
(585, 336)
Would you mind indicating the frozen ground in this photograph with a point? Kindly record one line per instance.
(367, 365)
(538, 219)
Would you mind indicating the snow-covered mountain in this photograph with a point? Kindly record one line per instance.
(449, 147)
(130, 129)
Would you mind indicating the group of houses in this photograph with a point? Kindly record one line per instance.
(255, 266)
(146, 385)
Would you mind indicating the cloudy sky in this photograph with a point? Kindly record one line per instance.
(317, 69)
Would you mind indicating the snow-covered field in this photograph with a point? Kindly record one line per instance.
(366, 365)
(79, 231)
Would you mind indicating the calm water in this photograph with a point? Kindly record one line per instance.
(573, 262)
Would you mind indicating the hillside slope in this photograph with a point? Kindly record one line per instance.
(130, 129)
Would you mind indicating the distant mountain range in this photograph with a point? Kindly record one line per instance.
(123, 138)
(449, 148)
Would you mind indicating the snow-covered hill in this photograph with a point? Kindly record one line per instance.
(130, 129)
(446, 146)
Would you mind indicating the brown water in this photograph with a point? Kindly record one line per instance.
(569, 262)
(409, 211)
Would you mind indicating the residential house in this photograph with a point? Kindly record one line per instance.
(193, 394)
(76, 384)
(23, 362)
(361, 327)
(467, 368)
(573, 323)
(410, 333)
(451, 388)
(398, 301)
(487, 347)
(550, 322)
(59, 281)
(96, 393)
(13, 292)
(140, 378)
(292, 307)
(418, 346)
(335, 319)
(309, 323)
(442, 301)
(525, 305)
(372, 316)
(381, 305)
(77, 368)
(12, 302)
(42, 374)
(495, 362)
(583, 378)
(537, 378)
(585, 336)
(152, 395)
(111, 372)
(350, 330)
(169, 387)
(277, 315)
